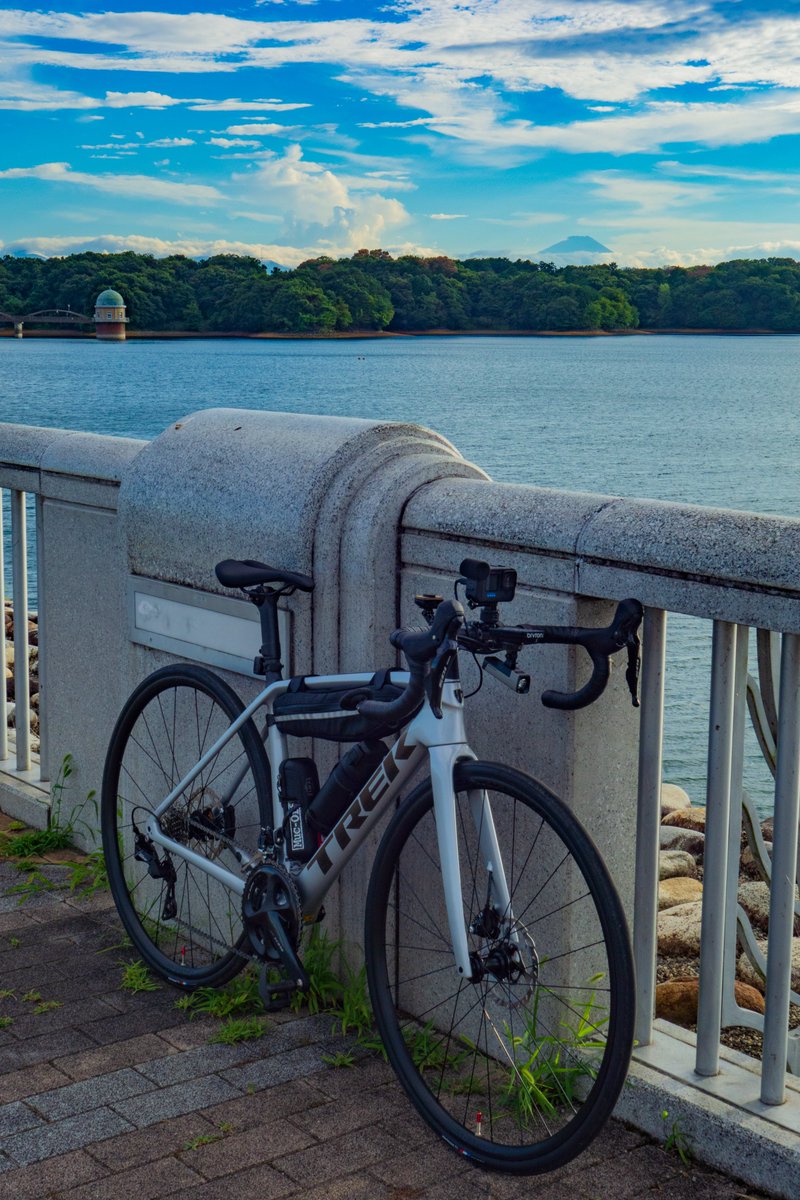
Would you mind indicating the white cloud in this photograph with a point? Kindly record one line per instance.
(446, 216)
(143, 186)
(335, 214)
(261, 129)
(651, 195)
(229, 143)
(286, 255)
(244, 106)
(173, 141)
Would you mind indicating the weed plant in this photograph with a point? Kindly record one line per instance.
(137, 978)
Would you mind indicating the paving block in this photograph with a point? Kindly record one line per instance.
(176, 1100)
(71, 1014)
(15, 1117)
(257, 1183)
(237, 1151)
(353, 1112)
(295, 1064)
(41, 1179)
(359, 1187)
(39, 1049)
(146, 1182)
(176, 1068)
(267, 1106)
(45, 1141)
(155, 1141)
(356, 1150)
(16, 1085)
(91, 1093)
(101, 1059)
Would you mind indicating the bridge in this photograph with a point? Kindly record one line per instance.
(45, 316)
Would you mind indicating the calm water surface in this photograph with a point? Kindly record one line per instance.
(707, 420)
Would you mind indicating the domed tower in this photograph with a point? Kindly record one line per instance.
(109, 316)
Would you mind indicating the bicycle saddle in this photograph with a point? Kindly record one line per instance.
(234, 573)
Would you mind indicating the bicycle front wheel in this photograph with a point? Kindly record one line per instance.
(519, 1067)
(185, 923)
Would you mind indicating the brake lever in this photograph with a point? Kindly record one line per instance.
(436, 677)
(634, 665)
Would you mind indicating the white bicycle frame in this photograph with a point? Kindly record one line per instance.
(442, 738)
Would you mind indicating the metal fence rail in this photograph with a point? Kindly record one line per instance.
(18, 753)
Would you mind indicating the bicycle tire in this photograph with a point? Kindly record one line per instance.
(556, 1085)
(167, 723)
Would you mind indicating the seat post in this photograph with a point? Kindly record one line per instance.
(268, 662)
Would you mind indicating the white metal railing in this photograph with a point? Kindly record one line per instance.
(21, 751)
(724, 923)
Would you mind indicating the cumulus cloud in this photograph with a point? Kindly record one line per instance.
(145, 187)
(336, 214)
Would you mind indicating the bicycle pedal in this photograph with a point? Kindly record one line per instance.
(274, 996)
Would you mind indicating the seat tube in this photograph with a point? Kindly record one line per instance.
(442, 763)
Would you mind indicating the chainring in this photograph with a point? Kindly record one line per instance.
(270, 888)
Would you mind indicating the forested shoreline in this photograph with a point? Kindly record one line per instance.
(373, 292)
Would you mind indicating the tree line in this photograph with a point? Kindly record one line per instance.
(374, 291)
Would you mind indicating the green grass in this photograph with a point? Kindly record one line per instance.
(5, 1022)
(240, 1029)
(137, 978)
(46, 1006)
(6, 994)
(32, 997)
(27, 845)
(239, 997)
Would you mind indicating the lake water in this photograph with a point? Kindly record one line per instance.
(707, 420)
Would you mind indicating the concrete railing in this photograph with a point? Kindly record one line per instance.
(127, 537)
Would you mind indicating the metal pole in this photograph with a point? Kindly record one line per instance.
(784, 867)
(22, 710)
(648, 818)
(3, 661)
(729, 1006)
(712, 937)
(44, 769)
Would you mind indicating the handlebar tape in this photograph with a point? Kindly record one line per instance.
(420, 648)
(600, 644)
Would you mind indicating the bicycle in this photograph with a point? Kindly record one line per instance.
(501, 979)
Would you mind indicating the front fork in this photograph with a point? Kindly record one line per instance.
(443, 762)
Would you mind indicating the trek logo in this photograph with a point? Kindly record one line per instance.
(296, 829)
(364, 803)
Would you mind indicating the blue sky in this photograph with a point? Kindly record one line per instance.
(667, 129)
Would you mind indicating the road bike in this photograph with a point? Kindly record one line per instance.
(497, 953)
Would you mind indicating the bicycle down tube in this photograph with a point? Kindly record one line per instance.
(445, 742)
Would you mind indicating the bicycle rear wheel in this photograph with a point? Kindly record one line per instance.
(185, 923)
(519, 1069)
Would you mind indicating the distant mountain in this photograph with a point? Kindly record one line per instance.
(577, 245)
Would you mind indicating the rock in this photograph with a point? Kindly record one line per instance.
(674, 863)
(678, 891)
(687, 818)
(675, 838)
(10, 654)
(673, 799)
(679, 930)
(748, 974)
(767, 829)
(676, 1001)
(754, 899)
(750, 864)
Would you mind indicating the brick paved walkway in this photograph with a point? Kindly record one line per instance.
(117, 1095)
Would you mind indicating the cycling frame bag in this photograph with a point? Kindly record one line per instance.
(331, 715)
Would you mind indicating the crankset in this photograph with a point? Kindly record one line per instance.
(272, 917)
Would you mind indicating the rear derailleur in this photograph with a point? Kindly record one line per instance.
(273, 919)
(157, 868)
